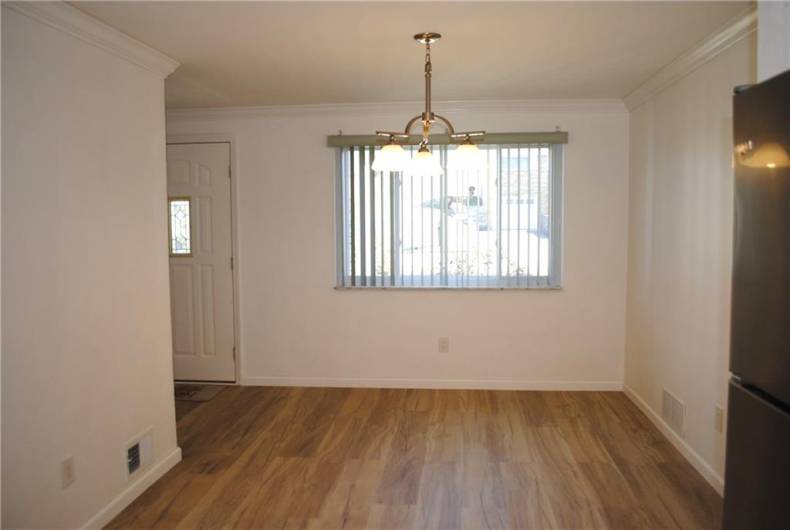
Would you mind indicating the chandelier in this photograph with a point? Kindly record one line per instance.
(392, 156)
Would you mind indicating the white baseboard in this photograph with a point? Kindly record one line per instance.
(460, 384)
(134, 490)
(680, 444)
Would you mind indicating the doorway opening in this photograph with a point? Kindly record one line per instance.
(200, 244)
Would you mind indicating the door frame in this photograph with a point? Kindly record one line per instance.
(230, 139)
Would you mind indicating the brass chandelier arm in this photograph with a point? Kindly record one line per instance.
(407, 129)
(444, 122)
(448, 127)
(392, 136)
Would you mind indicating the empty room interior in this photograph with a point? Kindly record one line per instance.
(396, 265)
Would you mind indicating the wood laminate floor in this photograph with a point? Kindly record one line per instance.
(319, 458)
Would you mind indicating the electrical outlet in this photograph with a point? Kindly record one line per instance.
(719, 419)
(444, 344)
(67, 473)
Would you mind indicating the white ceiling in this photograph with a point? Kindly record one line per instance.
(267, 53)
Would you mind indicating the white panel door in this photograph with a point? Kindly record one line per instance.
(201, 275)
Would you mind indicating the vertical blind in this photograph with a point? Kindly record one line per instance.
(490, 222)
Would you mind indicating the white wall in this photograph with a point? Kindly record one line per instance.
(773, 44)
(296, 329)
(86, 345)
(680, 247)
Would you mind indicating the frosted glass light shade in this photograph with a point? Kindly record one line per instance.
(425, 164)
(769, 155)
(467, 156)
(391, 157)
(467, 148)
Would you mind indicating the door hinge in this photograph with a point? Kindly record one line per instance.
(234, 353)
(229, 171)
(231, 263)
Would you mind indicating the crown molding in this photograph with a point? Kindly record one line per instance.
(734, 31)
(399, 108)
(72, 21)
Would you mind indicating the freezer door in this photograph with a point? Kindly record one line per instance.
(757, 475)
(760, 330)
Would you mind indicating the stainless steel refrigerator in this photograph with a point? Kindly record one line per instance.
(757, 475)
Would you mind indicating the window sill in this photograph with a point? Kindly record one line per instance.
(434, 288)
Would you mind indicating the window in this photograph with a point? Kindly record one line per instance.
(493, 224)
(179, 227)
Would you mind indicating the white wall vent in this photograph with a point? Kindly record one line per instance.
(673, 411)
(139, 453)
(133, 458)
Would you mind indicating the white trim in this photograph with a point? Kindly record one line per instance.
(125, 498)
(409, 107)
(458, 384)
(735, 30)
(699, 463)
(70, 20)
